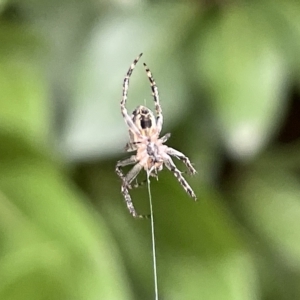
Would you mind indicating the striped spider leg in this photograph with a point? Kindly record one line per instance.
(151, 153)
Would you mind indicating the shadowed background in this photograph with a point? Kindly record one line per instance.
(228, 77)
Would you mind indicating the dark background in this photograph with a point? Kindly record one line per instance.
(228, 76)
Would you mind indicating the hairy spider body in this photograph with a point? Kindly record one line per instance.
(151, 153)
(144, 120)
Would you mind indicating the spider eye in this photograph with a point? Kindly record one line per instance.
(146, 123)
(144, 111)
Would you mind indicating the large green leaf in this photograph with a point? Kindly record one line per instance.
(52, 245)
(245, 75)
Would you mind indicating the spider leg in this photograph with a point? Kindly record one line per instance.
(165, 137)
(127, 180)
(183, 158)
(171, 166)
(159, 116)
(124, 112)
(131, 146)
(122, 163)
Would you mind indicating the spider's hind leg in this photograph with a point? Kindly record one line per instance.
(130, 206)
(127, 179)
(122, 163)
(183, 158)
(171, 166)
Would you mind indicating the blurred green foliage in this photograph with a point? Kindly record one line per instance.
(228, 76)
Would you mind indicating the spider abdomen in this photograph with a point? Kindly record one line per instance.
(153, 152)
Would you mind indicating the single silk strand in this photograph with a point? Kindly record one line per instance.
(153, 238)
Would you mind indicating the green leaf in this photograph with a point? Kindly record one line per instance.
(52, 244)
(246, 76)
(269, 201)
(23, 108)
(231, 278)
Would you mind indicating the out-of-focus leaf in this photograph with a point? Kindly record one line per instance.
(245, 75)
(50, 242)
(51, 245)
(2, 5)
(95, 125)
(284, 19)
(232, 278)
(269, 200)
(22, 92)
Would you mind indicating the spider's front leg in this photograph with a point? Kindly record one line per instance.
(126, 180)
(171, 166)
(124, 112)
(183, 158)
(159, 115)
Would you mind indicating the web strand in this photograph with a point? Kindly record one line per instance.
(153, 238)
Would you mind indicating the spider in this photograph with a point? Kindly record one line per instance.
(151, 153)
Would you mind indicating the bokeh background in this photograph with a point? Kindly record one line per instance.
(228, 75)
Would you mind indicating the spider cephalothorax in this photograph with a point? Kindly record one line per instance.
(151, 153)
(144, 120)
